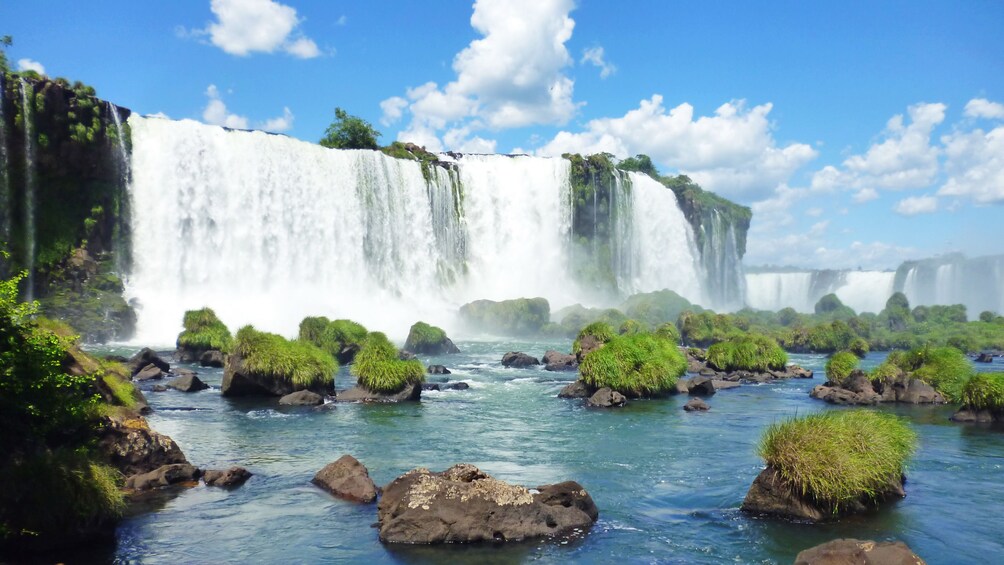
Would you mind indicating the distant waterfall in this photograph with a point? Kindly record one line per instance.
(722, 264)
(28, 123)
(978, 283)
(775, 291)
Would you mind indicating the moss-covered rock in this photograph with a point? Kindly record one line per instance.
(750, 352)
(638, 365)
(203, 332)
(378, 368)
(982, 399)
(945, 368)
(840, 365)
(340, 338)
(517, 317)
(268, 364)
(590, 338)
(430, 340)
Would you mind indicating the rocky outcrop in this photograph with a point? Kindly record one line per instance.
(578, 389)
(858, 389)
(587, 344)
(145, 357)
(519, 360)
(187, 383)
(556, 361)
(301, 398)
(696, 405)
(701, 386)
(212, 358)
(347, 478)
(859, 552)
(167, 475)
(606, 398)
(411, 392)
(228, 478)
(239, 380)
(132, 447)
(771, 494)
(462, 504)
(437, 370)
(697, 364)
(970, 415)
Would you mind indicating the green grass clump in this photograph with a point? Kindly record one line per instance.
(837, 457)
(859, 347)
(635, 365)
(840, 365)
(945, 368)
(630, 327)
(423, 337)
(204, 331)
(602, 331)
(517, 317)
(331, 336)
(887, 370)
(669, 332)
(749, 352)
(298, 362)
(985, 391)
(378, 368)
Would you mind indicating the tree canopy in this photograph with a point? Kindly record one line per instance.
(350, 132)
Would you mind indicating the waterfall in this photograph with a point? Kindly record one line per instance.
(121, 228)
(721, 263)
(775, 291)
(977, 283)
(866, 291)
(28, 124)
(6, 198)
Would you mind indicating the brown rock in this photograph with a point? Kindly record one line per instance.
(301, 398)
(164, 476)
(230, 478)
(696, 405)
(357, 393)
(859, 552)
(519, 360)
(133, 448)
(212, 358)
(347, 478)
(188, 383)
(555, 361)
(149, 373)
(771, 494)
(578, 389)
(239, 380)
(606, 398)
(701, 386)
(146, 356)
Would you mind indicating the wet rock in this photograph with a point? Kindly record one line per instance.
(462, 504)
(149, 373)
(578, 389)
(682, 386)
(347, 478)
(359, 394)
(919, 392)
(701, 386)
(985, 358)
(146, 356)
(133, 448)
(859, 552)
(229, 478)
(555, 361)
(426, 387)
(163, 476)
(519, 360)
(606, 398)
(239, 380)
(970, 415)
(437, 370)
(301, 398)
(456, 386)
(696, 405)
(179, 372)
(858, 389)
(724, 385)
(212, 358)
(158, 388)
(772, 495)
(405, 355)
(187, 383)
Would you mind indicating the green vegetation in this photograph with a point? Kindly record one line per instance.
(423, 338)
(298, 362)
(985, 391)
(630, 327)
(654, 308)
(840, 365)
(702, 329)
(831, 304)
(752, 352)
(841, 456)
(350, 132)
(332, 336)
(378, 368)
(635, 365)
(859, 347)
(5, 42)
(600, 331)
(204, 331)
(517, 317)
(945, 368)
(668, 332)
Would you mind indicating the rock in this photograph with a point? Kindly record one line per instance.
(430, 386)
(238, 380)
(212, 358)
(158, 388)
(587, 345)
(359, 394)
(438, 370)
(985, 358)
(771, 494)
(301, 398)
(163, 476)
(701, 386)
(188, 383)
(696, 405)
(837, 395)
(858, 552)
(230, 478)
(463, 505)
(518, 360)
(578, 389)
(149, 373)
(919, 392)
(347, 478)
(858, 382)
(723, 385)
(970, 415)
(179, 372)
(682, 386)
(555, 361)
(405, 355)
(146, 356)
(606, 398)
(457, 386)
(116, 358)
(133, 448)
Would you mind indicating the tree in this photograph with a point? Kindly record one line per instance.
(350, 132)
(5, 42)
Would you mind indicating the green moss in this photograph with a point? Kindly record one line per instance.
(332, 336)
(378, 368)
(840, 365)
(297, 362)
(423, 337)
(601, 331)
(984, 391)
(634, 365)
(838, 457)
(204, 331)
(518, 317)
(751, 352)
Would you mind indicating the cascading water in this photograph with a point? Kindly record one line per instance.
(722, 264)
(977, 283)
(866, 291)
(120, 237)
(775, 291)
(5, 192)
(28, 124)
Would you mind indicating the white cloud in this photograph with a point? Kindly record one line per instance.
(865, 195)
(595, 56)
(975, 165)
(160, 115)
(392, 108)
(247, 26)
(814, 212)
(983, 108)
(30, 65)
(342, 20)
(732, 152)
(917, 205)
(905, 158)
(280, 123)
(216, 112)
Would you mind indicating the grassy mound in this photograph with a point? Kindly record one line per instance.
(630, 327)
(668, 331)
(837, 457)
(298, 362)
(424, 338)
(840, 365)
(204, 331)
(749, 352)
(985, 391)
(945, 368)
(378, 369)
(602, 331)
(636, 365)
(331, 336)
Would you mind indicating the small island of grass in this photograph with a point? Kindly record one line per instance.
(635, 365)
(748, 352)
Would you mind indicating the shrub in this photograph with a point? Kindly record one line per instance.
(204, 331)
(750, 352)
(837, 457)
(599, 330)
(378, 368)
(298, 362)
(840, 365)
(859, 347)
(635, 365)
(985, 391)
(331, 336)
(423, 337)
(945, 368)
(630, 327)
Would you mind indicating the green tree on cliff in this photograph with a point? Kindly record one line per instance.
(350, 132)
(5, 42)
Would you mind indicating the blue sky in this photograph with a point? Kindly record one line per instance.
(861, 133)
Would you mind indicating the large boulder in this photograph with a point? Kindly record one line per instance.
(701, 386)
(228, 478)
(167, 475)
(301, 398)
(411, 392)
(462, 504)
(146, 356)
(771, 494)
(239, 380)
(212, 358)
(519, 360)
(430, 340)
(556, 361)
(347, 478)
(859, 552)
(606, 398)
(132, 447)
(149, 373)
(187, 383)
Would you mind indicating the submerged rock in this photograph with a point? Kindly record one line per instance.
(863, 552)
(970, 415)
(519, 360)
(347, 478)
(437, 370)
(462, 504)
(771, 494)
(696, 405)
(229, 478)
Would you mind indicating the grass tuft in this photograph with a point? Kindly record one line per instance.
(669, 332)
(602, 331)
(748, 352)
(840, 365)
(298, 362)
(378, 368)
(837, 457)
(331, 336)
(204, 331)
(640, 364)
(985, 391)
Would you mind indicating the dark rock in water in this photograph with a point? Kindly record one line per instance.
(701, 386)
(158, 388)
(212, 358)
(578, 389)
(682, 386)
(555, 361)
(985, 358)
(519, 360)
(179, 372)
(724, 385)
(149, 373)
(357, 393)
(430, 386)
(238, 380)
(145, 357)
(463, 505)
(858, 389)
(771, 494)
(230, 478)
(347, 478)
(166, 475)
(457, 386)
(437, 370)
(696, 405)
(133, 448)
(301, 398)
(606, 398)
(970, 415)
(855, 552)
(405, 355)
(188, 383)
(348, 354)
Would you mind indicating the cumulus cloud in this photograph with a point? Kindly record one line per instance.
(392, 109)
(595, 56)
(905, 158)
(247, 26)
(975, 165)
(917, 205)
(983, 108)
(216, 113)
(865, 195)
(280, 123)
(30, 65)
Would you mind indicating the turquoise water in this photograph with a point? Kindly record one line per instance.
(668, 483)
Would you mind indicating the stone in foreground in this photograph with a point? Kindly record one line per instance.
(606, 398)
(462, 504)
(187, 383)
(347, 478)
(301, 398)
(696, 405)
(519, 360)
(854, 551)
(166, 475)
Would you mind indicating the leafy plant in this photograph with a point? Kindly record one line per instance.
(350, 132)
(840, 365)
